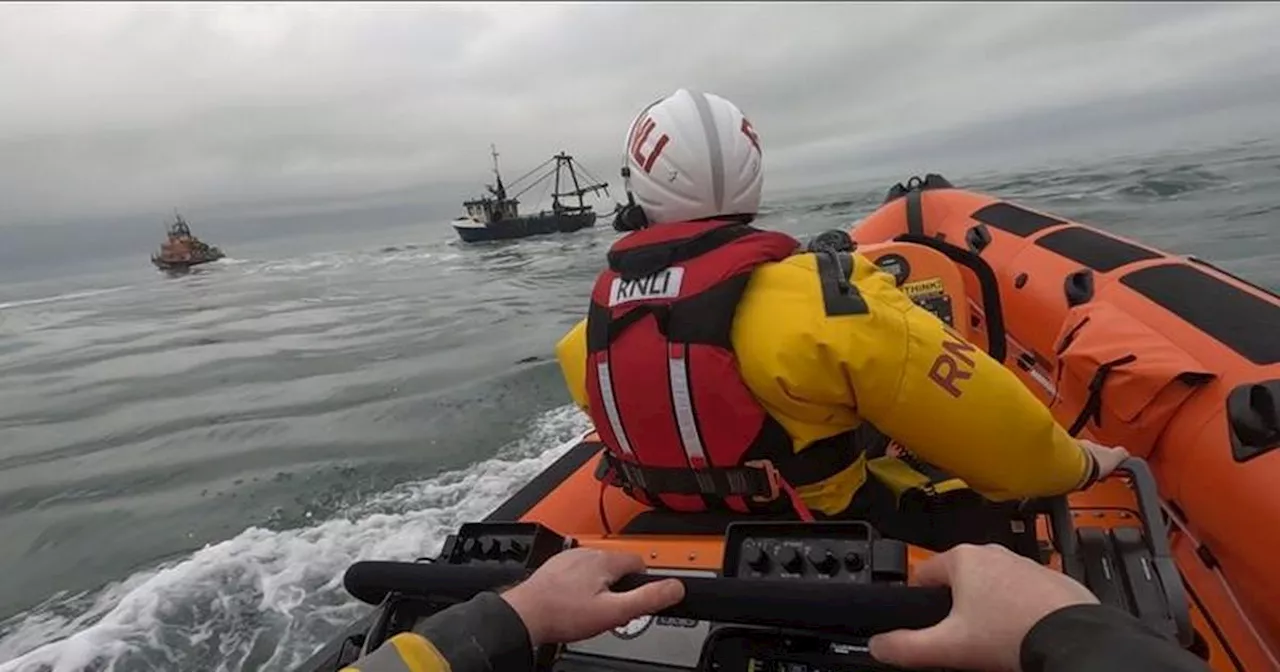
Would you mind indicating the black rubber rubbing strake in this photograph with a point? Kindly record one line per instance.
(1093, 249)
(542, 484)
(1013, 219)
(1251, 285)
(839, 296)
(1244, 322)
(1217, 631)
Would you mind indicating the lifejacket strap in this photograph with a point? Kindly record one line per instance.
(839, 296)
(722, 482)
(797, 503)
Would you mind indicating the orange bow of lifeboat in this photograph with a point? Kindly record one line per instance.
(1172, 358)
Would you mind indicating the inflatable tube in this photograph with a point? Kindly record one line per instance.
(1174, 359)
(1168, 356)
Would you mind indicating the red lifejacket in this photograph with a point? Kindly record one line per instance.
(681, 428)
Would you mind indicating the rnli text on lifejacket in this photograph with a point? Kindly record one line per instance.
(953, 365)
(664, 284)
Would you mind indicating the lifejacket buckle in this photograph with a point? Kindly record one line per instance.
(772, 477)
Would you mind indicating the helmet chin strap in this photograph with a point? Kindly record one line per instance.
(631, 216)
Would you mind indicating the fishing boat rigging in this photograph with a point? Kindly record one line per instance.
(496, 215)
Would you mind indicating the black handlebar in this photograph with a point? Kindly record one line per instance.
(826, 606)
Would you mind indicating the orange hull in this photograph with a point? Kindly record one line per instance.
(1215, 466)
(1187, 437)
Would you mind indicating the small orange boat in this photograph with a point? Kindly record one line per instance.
(1174, 359)
(181, 250)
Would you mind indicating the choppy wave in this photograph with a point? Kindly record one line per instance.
(267, 599)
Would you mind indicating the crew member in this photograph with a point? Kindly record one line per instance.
(1007, 614)
(723, 366)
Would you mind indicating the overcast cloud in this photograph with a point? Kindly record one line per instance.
(114, 110)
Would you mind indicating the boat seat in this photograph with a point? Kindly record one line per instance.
(709, 523)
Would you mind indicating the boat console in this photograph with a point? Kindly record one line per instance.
(783, 583)
(791, 596)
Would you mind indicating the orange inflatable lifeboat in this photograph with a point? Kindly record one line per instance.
(1176, 360)
(1168, 356)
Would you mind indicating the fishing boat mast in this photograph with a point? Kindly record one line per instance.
(565, 161)
(501, 191)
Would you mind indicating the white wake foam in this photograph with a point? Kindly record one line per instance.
(268, 595)
(63, 297)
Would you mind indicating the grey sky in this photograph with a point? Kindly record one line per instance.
(114, 110)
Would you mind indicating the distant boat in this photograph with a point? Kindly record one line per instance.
(497, 216)
(182, 250)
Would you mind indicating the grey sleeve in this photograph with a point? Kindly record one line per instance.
(483, 634)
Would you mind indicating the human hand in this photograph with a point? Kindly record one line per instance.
(1108, 458)
(568, 598)
(996, 598)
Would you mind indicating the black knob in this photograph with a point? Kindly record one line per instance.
(493, 549)
(475, 548)
(824, 561)
(792, 560)
(516, 550)
(757, 559)
(854, 562)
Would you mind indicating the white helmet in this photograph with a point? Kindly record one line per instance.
(690, 156)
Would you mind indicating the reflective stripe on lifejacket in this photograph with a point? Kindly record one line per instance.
(682, 402)
(668, 399)
(605, 381)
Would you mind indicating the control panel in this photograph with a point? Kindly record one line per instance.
(832, 551)
(930, 277)
(665, 641)
(938, 304)
(736, 649)
(724, 625)
(525, 544)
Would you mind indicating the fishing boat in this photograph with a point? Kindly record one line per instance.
(496, 216)
(1175, 359)
(182, 250)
